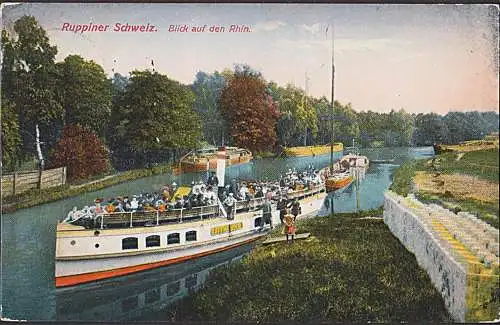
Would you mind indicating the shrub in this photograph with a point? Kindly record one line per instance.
(402, 178)
(82, 152)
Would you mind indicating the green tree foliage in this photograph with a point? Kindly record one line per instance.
(323, 113)
(208, 88)
(85, 93)
(469, 125)
(429, 129)
(154, 113)
(30, 82)
(82, 152)
(250, 111)
(298, 121)
(346, 123)
(8, 64)
(118, 85)
(11, 138)
(393, 129)
(400, 131)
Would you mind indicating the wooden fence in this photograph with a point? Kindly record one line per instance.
(20, 182)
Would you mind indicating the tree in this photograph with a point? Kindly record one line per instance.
(85, 93)
(118, 84)
(82, 152)
(11, 138)
(346, 123)
(153, 113)
(298, 116)
(8, 66)
(429, 129)
(207, 88)
(250, 111)
(30, 82)
(402, 124)
(457, 126)
(323, 114)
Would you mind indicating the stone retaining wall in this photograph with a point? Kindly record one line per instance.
(448, 253)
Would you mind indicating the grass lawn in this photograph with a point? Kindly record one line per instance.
(351, 269)
(482, 164)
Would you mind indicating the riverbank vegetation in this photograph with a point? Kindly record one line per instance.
(350, 269)
(37, 197)
(459, 181)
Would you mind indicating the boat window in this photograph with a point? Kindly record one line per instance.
(257, 222)
(173, 238)
(153, 241)
(191, 235)
(129, 243)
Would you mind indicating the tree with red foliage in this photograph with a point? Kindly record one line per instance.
(250, 111)
(82, 152)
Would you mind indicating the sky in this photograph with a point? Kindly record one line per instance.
(423, 58)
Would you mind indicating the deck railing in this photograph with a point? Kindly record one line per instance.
(157, 217)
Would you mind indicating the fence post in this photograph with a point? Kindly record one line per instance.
(157, 217)
(102, 221)
(131, 224)
(180, 220)
(14, 184)
(40, 178)
(201, 213)
(63, 175)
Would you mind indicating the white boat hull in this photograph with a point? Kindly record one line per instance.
(87, 255)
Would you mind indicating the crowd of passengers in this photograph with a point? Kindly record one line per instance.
(202, 194)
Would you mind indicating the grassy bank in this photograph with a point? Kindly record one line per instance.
(351, 269)
(482, 164)
(458, 181)
(264, 154)
(37, 197)
(402, 182)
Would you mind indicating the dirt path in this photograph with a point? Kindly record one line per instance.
(460, 186)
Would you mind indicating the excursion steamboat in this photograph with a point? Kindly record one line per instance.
(121, 243)
(343, 172)
(206, 159)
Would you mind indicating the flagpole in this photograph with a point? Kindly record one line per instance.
(332, 125)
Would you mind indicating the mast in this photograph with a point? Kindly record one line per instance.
(333, 105)
(305, 104)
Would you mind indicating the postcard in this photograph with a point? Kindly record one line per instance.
(250, 162)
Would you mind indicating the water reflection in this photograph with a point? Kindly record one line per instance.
(137, 296)
(373, 181)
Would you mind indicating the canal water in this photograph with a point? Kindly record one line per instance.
(28, 245)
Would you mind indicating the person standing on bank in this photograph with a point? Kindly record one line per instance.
(289, 226)
(296, 209)
(281, 206)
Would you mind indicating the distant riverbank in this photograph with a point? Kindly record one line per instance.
(350, 269)
(461, 181)
(37, 197)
